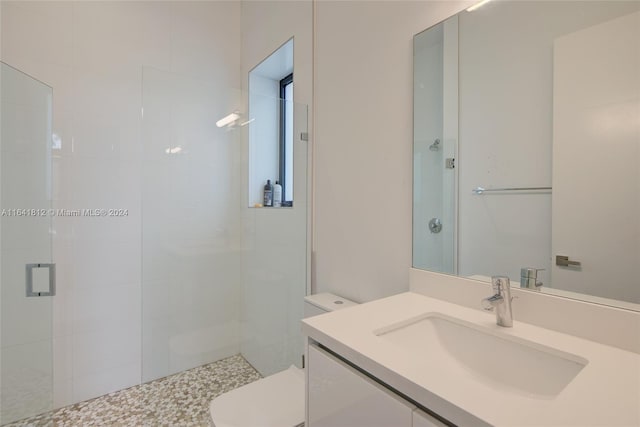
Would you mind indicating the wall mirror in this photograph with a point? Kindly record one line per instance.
(527, 147)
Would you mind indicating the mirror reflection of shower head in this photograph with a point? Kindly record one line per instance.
(435, 146)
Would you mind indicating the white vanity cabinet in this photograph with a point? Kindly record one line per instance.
(340, 396)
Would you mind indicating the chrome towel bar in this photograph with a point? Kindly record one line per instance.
(482, 190)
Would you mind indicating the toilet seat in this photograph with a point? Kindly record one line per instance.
(274, 401)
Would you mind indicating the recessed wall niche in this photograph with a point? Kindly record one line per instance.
(270, 116)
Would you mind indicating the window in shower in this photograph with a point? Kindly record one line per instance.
(271, 125)
(286, 139)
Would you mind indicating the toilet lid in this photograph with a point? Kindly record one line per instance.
(274, 401)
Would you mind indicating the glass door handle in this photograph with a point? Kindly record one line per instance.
(44, 286)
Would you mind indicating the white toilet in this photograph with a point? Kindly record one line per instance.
(277, 400)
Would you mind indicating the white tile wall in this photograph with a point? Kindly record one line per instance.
(26, 380)
(62, 369)
(110, 379)
(105, 348)
(190, 260)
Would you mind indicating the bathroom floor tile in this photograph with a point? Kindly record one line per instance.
(178, 400)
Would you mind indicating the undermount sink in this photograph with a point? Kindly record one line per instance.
(490, 357)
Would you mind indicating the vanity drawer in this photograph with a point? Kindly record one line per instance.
(340, 396)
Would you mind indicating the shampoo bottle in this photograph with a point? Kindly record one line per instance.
(268, 194)
(277, 195)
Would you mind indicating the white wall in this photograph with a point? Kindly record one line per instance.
(92, 53)
(363, 142)
(274, 241)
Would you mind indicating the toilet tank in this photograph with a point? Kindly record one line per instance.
(324, 303)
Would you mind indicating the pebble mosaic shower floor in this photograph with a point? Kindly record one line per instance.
(178, 400)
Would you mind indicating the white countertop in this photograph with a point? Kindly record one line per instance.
(605, 392)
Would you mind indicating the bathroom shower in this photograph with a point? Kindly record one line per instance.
(179, 282)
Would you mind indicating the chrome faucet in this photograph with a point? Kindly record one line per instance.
(529, 278)
(500, 301)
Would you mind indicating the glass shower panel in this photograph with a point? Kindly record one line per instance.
(434, 150)
(219, 278)
(274, 267)
(191, 224)
(26, 368)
